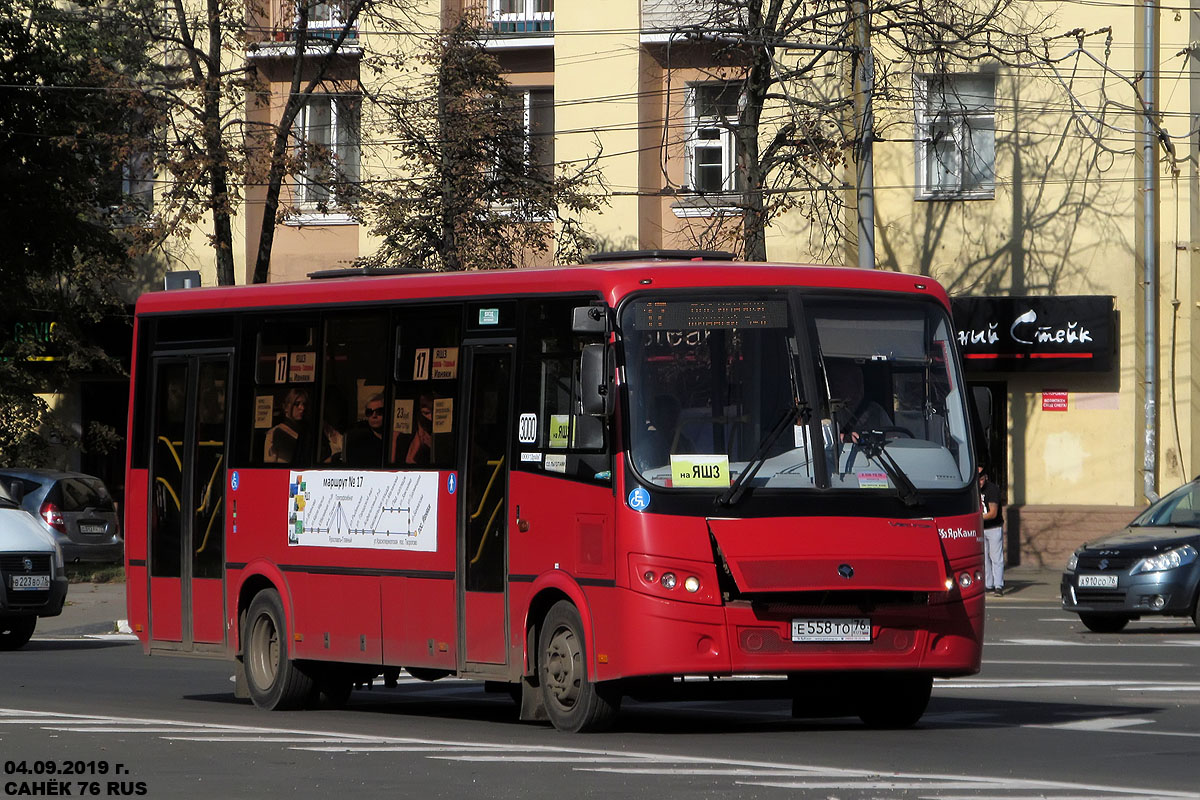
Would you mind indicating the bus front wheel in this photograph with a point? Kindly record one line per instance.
(895, 701)
(274, 680)
(573, 703)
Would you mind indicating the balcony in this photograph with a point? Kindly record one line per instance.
(325, 21)
(512, 18)
(670, 19)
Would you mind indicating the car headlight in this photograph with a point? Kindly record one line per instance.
(1073, 562)
(59, 565)
(1171, 559)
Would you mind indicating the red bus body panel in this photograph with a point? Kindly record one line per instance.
(813, 553)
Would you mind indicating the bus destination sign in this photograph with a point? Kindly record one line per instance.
(690, 315)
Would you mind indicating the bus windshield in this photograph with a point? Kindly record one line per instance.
(866, 386)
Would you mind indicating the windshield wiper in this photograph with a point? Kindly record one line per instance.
(874, 446)
(734, 493)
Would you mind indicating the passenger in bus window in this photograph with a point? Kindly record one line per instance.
(418, 451)
(332, 442)
(364, 442)
(286, 440)
(853, 411)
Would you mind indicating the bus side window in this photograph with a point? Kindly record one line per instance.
(353, 426)
(548, 395)
(284, 397)
(421, 415)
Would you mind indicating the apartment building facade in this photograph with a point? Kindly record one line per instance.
(1019, 186)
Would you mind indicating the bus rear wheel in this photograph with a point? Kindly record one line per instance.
(275, 682)
(573, 703)
(895, 701)
(16, 631)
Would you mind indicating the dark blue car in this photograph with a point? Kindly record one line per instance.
(1149, 568)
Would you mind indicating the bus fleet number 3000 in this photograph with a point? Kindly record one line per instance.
(857, 629)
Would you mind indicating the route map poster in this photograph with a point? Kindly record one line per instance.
(370, 510)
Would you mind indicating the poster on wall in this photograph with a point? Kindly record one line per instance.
(368, 510)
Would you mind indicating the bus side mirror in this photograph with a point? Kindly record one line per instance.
(595, 393)
(590, 319)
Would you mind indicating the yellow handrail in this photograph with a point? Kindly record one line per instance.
(487, 490)
(212, 480)
(171, 446)
(212, 518)
(174, 496)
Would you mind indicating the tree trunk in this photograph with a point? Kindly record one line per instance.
(218, 170)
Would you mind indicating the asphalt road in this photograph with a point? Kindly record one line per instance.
(1057, 713)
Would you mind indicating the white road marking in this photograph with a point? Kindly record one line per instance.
(753, 773)
(539, 759)
(1027, 797)
(273, 739)
(1033, 683)
(1131, 664)
(394, 748)
(1091, 643)
(1098, 724)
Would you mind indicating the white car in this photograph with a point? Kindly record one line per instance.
(33, 582)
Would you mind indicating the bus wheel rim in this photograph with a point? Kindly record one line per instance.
(564, 667)
(264, 663)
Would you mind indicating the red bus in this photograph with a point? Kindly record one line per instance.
(585, 483)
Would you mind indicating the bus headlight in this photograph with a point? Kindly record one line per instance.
(668, 580)
(692, 584)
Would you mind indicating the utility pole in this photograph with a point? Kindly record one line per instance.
(864, 131)
(1149, 85)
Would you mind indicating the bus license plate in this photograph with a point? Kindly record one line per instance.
(25, 583)
(857, 629)
(1097, 581)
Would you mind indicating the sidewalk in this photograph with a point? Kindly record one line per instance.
(90, 608)
(1030, 584)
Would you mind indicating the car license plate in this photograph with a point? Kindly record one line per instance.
(26, 583)
(91, 528)
(857, 629)
(1097, 581)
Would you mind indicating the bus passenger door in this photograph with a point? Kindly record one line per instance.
(483, 529)
(187, 502)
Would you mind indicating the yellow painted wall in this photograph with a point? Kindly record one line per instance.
(596, 70)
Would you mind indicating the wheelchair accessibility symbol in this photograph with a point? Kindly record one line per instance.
(639, 499)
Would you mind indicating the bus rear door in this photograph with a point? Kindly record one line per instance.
(187, 501)
(483, 623)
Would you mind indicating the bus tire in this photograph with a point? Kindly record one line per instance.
(573, 703)
(895, 700)
(275, 682)
(16, 631)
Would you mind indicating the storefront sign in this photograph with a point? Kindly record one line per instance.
(1054, 401)
(1036, 334)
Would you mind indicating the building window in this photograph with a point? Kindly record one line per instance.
(327, 133)
(521, 16)
(956, 136)
(711, 145)
(533, 110)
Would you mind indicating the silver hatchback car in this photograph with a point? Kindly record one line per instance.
(1150, 568)
(74, 508)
